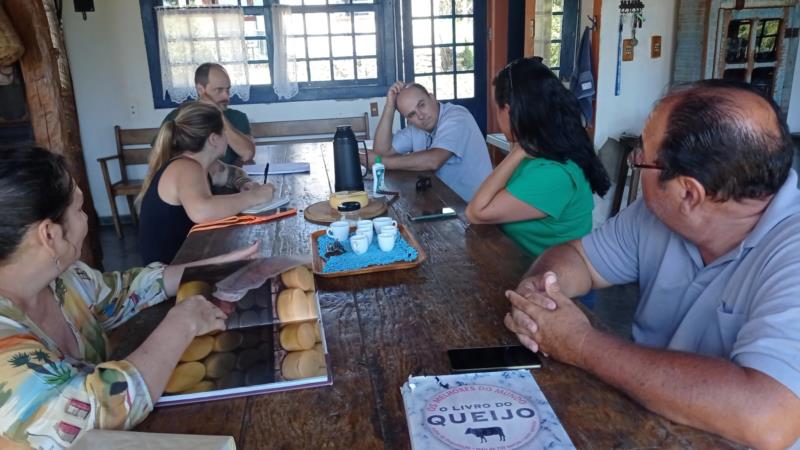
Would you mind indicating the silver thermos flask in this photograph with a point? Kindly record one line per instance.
(346, 165)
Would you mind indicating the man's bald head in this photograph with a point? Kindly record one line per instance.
(726, 135)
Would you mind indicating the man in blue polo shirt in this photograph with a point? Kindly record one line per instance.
(715, 248)
(439, 136)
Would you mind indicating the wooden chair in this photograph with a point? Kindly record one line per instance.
(133, 149)
(312, 130)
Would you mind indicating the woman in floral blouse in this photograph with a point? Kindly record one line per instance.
(56, 380)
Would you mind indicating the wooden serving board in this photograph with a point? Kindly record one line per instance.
(318, 263)
(321, 212)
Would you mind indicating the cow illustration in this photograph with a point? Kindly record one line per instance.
(483, 432)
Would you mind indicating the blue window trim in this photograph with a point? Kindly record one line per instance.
(331, 90)
(570, 21)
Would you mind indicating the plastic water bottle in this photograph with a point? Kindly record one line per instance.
(378, 171)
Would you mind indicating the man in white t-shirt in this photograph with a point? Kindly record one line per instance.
(439, 136)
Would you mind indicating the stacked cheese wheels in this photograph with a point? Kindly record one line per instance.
(305, 357)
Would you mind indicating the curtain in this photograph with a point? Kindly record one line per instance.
(285, 76)
(188, 37)
(543, 17)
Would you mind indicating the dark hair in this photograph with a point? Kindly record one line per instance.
(546, 119)
(201, 73)
(709, 138)
(34, 185)
(187, 132)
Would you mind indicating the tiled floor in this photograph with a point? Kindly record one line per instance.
(614, 306)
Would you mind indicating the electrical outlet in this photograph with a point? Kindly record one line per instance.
(132, 110)
(373, 109)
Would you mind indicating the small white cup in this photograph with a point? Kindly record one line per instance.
(386, 241)
(366, 233)
(389, 229)
(366, 230)
(364, 223)
(359, 243)
(381, 222)
(339, 230)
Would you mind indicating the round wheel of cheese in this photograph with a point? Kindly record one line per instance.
(219, 364)
(198, 349)
(202, 386)
(185, 376)
(292, 305)
(311, 304)
(302, 364)
(297, 336)
(232, 379)
(227, 341)
(299, 277)
(191, 288)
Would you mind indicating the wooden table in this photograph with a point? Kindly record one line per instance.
(383, 327)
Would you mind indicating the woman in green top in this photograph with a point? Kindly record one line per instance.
(541, 193)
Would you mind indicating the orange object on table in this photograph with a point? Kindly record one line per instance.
(241, 219)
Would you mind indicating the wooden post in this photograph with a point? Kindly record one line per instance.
(51, 100)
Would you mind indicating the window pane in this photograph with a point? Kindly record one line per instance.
(444, 87)
(256, 49)
(363, 1)
(421, 31)
(364, 21)
(254, 26)
(444, 59)
(423, 60)
(555, 55)
(183, 72)
(318, 47)
(771, 27)
(343, 69)
(366, 44)
(443, 31)
(465, 58)
(443, 7)
(342, 46)
(337, 2)
(767, 41)
(180, 52)
(252, 2)
(259, 74)
(555, 28)
(464, 31)
(763, 79)
(465, 85)
(291, 2)
(463, 6)
(206, 51)
(297, 47)
(558, 5)
(295, 25)
(420, 8)
(738, 41)
(340, 23)
(320, 70)
(426, 81)
(314, 2)
(317, 23)
(302, 71)
(227, 3)
(367, 68)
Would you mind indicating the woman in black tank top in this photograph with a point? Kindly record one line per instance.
(176, 192)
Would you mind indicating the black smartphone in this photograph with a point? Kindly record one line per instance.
(482, 359)
(443, 213)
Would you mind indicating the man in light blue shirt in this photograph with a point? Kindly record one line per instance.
(439, 136)
(715, 249)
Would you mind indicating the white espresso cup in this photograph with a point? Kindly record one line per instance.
(389, 229)
(359, 243)
(366, 230)
(386, 241)
(339, 230)
(366, 233)
(364, 223)
(380, 222)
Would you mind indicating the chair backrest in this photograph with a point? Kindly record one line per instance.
(311, 130)
(133, 146)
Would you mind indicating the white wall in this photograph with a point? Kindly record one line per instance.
(794, 101)
(110, 75)
(644, 80)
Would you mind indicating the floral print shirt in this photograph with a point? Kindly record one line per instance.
(47, 398)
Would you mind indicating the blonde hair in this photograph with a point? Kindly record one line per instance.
(187, 132)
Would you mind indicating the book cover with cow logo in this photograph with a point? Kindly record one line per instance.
(482, 411)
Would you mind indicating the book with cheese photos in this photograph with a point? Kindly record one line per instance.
(274, 338)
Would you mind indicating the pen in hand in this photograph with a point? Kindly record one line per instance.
(266, 170)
